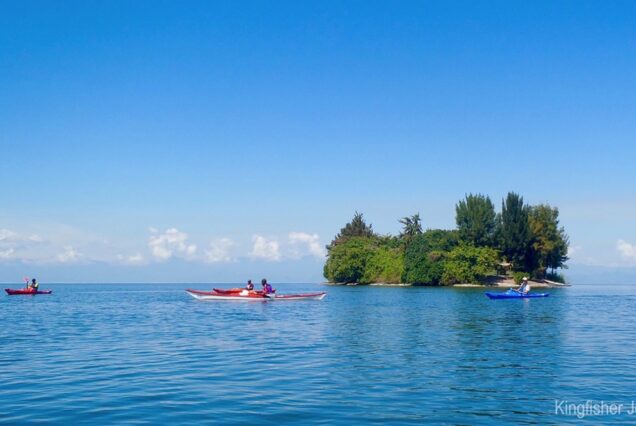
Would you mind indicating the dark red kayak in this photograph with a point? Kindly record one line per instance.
(228, 290)
(26, 291)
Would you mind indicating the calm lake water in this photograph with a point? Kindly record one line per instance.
(148, 353)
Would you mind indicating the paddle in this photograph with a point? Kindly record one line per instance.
(26, 282)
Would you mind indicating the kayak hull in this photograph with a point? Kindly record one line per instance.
(235, 291)
(214, 295)
(515, 295)
(18, 292)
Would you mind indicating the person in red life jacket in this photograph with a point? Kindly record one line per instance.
(249, 285)
(267, 289)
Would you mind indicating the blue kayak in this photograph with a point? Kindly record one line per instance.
(512, 294)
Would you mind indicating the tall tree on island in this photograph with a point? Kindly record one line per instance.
(515, 234)
(411, 226)
(549, 240)
(476, 220)
(356, 228)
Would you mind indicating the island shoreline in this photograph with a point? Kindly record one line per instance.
(491, 282)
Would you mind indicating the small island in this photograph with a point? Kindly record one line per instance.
(486, 248)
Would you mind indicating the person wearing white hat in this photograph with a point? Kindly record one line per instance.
(524, 288)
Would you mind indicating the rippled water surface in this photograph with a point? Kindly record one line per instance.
(148, 353)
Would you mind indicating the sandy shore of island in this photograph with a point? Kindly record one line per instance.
(507, 282)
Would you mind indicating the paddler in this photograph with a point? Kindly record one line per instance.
(267, 289)
(34, 284)
(249, 286)
(524, 288)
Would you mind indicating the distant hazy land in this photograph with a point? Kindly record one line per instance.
(586, 274)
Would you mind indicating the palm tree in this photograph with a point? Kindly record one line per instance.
(411, 226)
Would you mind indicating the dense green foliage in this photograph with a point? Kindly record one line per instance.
(469, 264)
(530, 237)
(365, 260)
(347, 260)
(424, 256)
(515, 233)
(549, 241)
(476, 220)
(386, 265)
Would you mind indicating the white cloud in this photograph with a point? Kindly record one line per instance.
(6, 235)
(627, 250)
(10, 237)
(265, 249)
(69, 255)
(135, 259)
(66, 245)
(303, 243)
(219, 251)
(6, 254)
(18, 247)
(171, 243)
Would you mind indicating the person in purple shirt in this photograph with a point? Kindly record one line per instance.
(267, 289)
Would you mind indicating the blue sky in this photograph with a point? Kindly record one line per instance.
(220, 141)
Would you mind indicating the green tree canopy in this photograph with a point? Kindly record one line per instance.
(528, 236)
(347, 260)
(469, 264)
(475, 217)
(386, 265)
(515, 233)
(424, 256)
(549, 240)
(356, 228)
(365, 260)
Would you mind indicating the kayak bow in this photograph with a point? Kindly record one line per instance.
(215, 295)
(23, 291)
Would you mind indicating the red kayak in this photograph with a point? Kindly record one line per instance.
(251, 295)
(229, 290)
(238, 291)
(26, 291)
